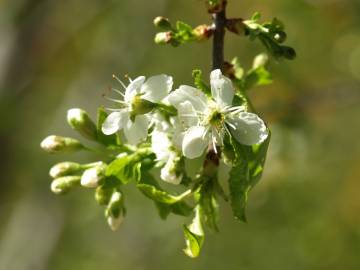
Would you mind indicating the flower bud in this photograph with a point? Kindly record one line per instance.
(288, 52)
(56, 144)
(162, 23)
(79, 120)
(169, 173)
(163, 37)
(92, 177)
(64, 169)
(141, 106)
(260, 60)
(203, 32)
(64, 184)
(115, 211)
(103, 194)
(236, 26)
(280, 36)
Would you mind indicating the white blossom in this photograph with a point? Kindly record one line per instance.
(138, 94)
(207, 119)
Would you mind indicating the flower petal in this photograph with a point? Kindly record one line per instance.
(187, 93)
(222, 89)
(114, 122)
(195, 141)
(248, 128)
(137, 130)
(187, 114)
(133, 88)
(160, 144)
(157, 87)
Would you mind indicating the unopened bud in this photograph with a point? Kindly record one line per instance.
(79, 120)
(203, 32)
(103, 194)
(115, 211)
(57, 144)
(162, 23)
(169, 173)
(92, 177)
(260, 60)
(288, 52)
(236, 26)
(163, 37)
(64, 184)
(64, 169)
(280, 36)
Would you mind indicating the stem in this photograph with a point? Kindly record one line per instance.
(218, 41)
(212, 159)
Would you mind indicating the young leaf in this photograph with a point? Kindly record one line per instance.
(245, 173)
(126, 168)
(179, 208)
(208, 205)
(194, 236)
(160, 195)
(199, 83)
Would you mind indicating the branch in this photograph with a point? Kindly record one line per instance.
(219, 34)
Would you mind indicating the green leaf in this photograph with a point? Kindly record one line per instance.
(126, 168)
(107, 140)
(245, 173)
(194, 236)
(199, 83)
(257, 77)
(256, 16)
(208, 204)
(179, 208)
(161, 196)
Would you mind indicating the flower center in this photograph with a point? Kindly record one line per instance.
(215, 118)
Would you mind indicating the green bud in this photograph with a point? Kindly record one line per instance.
(236, 26)
(141, 106)
(92, 177)
(64, 169)
(280, 36)
(260, 60)
(80, 121)
(103, 194)
(57, 144)
(63, 184)
(288, 52)
(162, 23)
(163, 37)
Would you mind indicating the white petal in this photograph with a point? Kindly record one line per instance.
(222, 89)
(195, 141)
(187, 114)
(187, 93)
(249, 128)
(160, 144)
(114, 122)
(137, 130)
(133, 88)
(157, 87)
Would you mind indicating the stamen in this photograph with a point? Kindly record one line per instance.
(115, 100)
(112, 110)
(120, 81)
(127, 77)
(118, 91)
(231, 125)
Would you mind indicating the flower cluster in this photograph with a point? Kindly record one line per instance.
(201, 122)
(150, 132)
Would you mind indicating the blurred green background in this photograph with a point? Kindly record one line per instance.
(305, 214)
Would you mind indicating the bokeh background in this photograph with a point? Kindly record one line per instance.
(305, 214)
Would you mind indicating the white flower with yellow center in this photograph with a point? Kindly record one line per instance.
(138, 99)
(206, 120)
